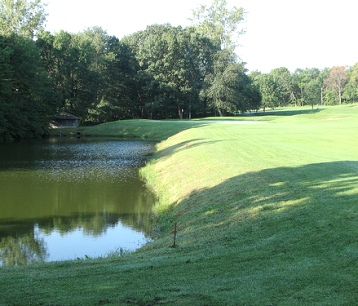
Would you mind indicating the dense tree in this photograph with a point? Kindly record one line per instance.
(308, 86)
(309, 83)
(5, 84)
(283, 79)
(26, 96)
(188, 74)
(230, 90)
(161, 72)
(25, 90)
(250, 95)
(61, 58)
(268, 89)
(350, 93)
(175, 62)
(121, 94)
(75, 63)
(336, 81)
(227, 88)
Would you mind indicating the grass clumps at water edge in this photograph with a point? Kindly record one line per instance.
(266, 215)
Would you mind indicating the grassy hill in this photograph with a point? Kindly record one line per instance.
(266, 211)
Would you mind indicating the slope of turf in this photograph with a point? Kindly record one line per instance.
(266, 214)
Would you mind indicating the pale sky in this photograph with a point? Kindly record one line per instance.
(279, 33)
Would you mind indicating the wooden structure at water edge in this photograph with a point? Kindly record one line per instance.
(65, 120)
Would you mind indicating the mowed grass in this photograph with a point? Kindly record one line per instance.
(266, 215)
(155, 130)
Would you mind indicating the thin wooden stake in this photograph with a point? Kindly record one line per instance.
(175, 235)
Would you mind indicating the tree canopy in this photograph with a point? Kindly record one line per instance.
(160, 72)
(309, 86)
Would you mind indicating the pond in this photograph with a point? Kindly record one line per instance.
(64, 199)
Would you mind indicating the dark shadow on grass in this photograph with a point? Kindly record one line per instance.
(306, 209)
(270, 112)
(286, 113)
(184, 145)
(155, 130)
(276, 236)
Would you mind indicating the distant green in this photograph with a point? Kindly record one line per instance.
(266, 215)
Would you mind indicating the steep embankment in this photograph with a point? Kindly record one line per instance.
(269, 210)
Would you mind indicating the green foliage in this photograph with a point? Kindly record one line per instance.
(269, 90)
(26, 98)
(309, 83)
(5, 82)
(282, 77)
(335, 83)
(350, 93)
(309, 86)
(21, 17)
(78, 65)
(219, 23)
(26, 94)
(174, 61)
(230, 90)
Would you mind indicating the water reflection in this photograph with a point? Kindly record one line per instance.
(51, 190)
(23, 250)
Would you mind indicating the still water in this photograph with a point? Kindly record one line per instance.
(72, 198)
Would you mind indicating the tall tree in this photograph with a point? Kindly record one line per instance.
(75, 64)
(27, 96)
(175, 62)
(63, 65)
(219, 23)
(336, 81)
(22, 17)
(6, 71)
(222, 92)
(121, 96)
(230, 89)
(308, 83)
(282, 77)
(350, 93)
(268, 89)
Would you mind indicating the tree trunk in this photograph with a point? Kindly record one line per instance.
(180, 112)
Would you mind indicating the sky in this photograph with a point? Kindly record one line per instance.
(279, 33)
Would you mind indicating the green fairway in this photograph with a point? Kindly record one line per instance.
(266, 211)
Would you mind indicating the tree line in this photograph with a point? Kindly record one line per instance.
(310, 86)
(160, 72)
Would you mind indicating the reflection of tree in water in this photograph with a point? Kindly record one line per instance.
(94, 221)
(28, 248)
(142, 222)
(24, 250)
(67, 187)
(92, 224)
(96, 224)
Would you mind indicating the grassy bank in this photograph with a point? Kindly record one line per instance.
(155, 130)
(266, 215)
